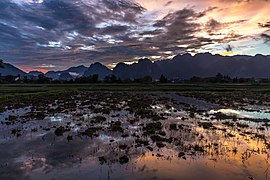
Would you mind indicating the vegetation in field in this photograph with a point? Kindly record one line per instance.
(108, 124)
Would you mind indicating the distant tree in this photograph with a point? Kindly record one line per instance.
(119, 80)
(145, 79)
(43, 79)
(1, 66)
(163, 79)
(25, 79)
(227, 79)
(235, 80)
(95, 78)
(111, 79)
(9, 79)
(219, 78)
(195, 79)
(87, 79)
(107, 79)
(222, 79)
(1, 63)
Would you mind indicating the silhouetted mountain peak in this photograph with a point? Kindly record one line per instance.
(205, 55)
(259, 56)
(185, 56)
(9, 69)
(121, 64)
(78, 68)
(99, 69)
(143, 68)
(35, 73)
(65, 76)
(97, 64)
(73, 72)
(144, 61)
(182, 66)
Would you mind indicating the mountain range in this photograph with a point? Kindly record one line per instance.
(179, 67)
(73, 72)
(11, 70)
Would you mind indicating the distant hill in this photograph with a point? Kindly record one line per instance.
(11, 70)
(98, 68)
(202, 65)
(65, 76)
(74, 72)
(53, 74)
(179, 67)
(144, 67)
(35, 73)
(207, 65)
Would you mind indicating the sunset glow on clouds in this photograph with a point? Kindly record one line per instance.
(64, 33)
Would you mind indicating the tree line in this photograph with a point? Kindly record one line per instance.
(42, 79)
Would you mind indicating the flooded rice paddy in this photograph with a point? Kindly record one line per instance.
(129, 135)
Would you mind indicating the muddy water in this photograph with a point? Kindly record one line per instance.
(183, 147)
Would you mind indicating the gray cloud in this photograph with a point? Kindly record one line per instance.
(178, 29)
(266, 37)
(213, 26)
(242, 1)
(45, 30)
(264, 25)
(168, 3)
(67, 32)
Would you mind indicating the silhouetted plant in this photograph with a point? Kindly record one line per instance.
(163, 79)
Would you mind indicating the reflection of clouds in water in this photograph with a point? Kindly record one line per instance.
(46, 155)
(243, 114)
(56, 118)
(14, 112)
(159, 106)
(74, 127)
(88, 116)
(31, 163)
(133, 127)
(172, 112)
(106, 138)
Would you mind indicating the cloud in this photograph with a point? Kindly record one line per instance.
(168, 3)
(242, 1)
(41, 29)
(176, 30)
(68, 32)
(213, 25)
(264, 25)
(266, 37)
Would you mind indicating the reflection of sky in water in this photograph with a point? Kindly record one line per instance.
(199, 104)
(88, 116)
(104, 137)
(133, 127)
(159, 106)
(56, 118)
(243, 114)
(74, 127)
(14, 112)
(42, 155)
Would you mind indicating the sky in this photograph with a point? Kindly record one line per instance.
(49, 35)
